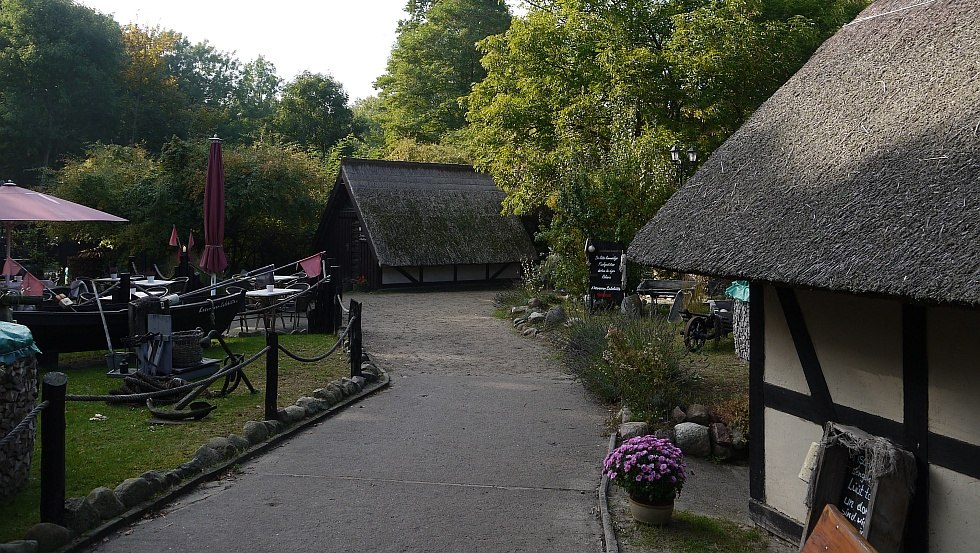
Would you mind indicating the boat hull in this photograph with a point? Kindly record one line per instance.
(61, 331)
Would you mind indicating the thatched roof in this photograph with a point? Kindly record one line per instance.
(433, 214)
(860, 174)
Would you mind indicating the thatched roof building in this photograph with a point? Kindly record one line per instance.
(851, 201)
(859, 174)
(396, 222)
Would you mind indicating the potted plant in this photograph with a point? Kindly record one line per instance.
(652, 472)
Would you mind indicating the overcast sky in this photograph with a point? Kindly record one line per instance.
(348, 39)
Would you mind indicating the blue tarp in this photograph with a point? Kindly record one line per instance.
(739, 290)
(16, 342)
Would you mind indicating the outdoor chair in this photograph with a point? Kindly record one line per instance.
(179, 286)
(297, 305)
(250, 305)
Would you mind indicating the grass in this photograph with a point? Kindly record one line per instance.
(691, 533)
(104, 453)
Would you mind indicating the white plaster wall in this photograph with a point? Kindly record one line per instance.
(438, 273)
(954, 512)
(954, 373)
(390, 276)
(788, 440)
(782, 363)
(858, 342)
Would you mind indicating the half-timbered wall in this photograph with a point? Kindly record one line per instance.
(436, 274)
(904, 372)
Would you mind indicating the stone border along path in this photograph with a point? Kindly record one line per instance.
(482, 443)
(211, 462)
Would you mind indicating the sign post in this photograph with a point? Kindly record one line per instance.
(607, 273)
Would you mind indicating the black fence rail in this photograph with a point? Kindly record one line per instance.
(54, 398)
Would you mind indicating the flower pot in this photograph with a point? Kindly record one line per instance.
(653, 514)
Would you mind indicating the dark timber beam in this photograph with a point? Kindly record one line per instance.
(757, 399)
(915, 381)
(815, 380)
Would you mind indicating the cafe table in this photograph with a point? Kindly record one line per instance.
(267, 296)
(146, 282)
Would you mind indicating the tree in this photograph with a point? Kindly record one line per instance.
(60, 64)
(313, 112)
(153, 107)
(207, 78)
(583, 98)
(255, 99)
(274, 195)
(435, 64)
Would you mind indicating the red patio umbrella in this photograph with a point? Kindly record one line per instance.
(213, 258)
(23, 205)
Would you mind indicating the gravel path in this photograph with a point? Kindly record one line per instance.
(482, 443)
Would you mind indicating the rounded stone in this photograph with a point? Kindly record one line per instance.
(105, 502)
(255, 432)
(693, 439)
(133, 491)
(49, 536)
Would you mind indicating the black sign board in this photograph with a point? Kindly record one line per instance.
(855, 499)
(607, 274)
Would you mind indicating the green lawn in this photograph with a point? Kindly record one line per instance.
(104, 453)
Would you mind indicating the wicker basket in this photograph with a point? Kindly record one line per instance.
(187, 350)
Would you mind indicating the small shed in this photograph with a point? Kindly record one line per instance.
(399, 223)
(851, 201)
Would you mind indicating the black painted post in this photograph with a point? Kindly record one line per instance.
(53, 448)
(356, 347)
(272, 376)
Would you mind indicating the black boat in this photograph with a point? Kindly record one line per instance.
(60, 330)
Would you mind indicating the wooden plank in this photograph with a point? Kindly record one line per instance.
(757, 398)
(834, 533)
(915, 383)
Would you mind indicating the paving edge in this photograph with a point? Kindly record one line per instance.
(92, 536)
(608, 531)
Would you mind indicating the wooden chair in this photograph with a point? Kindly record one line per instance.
(834, 533)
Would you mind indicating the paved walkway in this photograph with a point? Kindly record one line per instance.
(480, 444)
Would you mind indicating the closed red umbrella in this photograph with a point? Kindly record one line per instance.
(213, 258)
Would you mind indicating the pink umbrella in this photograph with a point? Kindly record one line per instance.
(22, 205)
(213, 258)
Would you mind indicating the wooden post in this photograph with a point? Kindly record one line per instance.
(53, 448)
(356, 347)
(272, 376)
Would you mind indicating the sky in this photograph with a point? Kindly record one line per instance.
(348, 39)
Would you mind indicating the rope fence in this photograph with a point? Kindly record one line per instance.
(54, 398)
(22, 425)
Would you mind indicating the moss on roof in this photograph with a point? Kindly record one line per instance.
(433, 214)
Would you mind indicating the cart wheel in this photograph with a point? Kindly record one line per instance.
(695, 334)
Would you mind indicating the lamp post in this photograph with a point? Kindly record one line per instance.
(681, 163)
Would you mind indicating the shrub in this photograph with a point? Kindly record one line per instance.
(633, 360)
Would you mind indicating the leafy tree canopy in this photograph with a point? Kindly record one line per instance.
(434, 65)
(583, 98)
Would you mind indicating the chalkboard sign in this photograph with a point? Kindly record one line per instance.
(856, 496)
(875, 502)
(607, 275)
